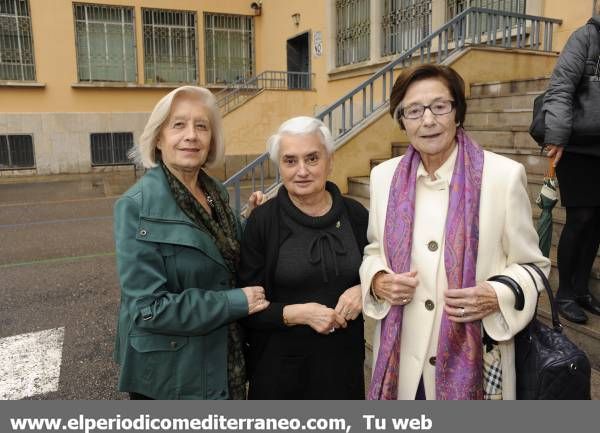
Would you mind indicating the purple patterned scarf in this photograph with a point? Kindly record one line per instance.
(459, 369)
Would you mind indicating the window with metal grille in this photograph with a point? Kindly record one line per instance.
(352, 31)
(16, 44)
(404, 24)
(169, 46)
(110, 148)
(457, 6)
(16, 151)
(229, 47)
(105, 42)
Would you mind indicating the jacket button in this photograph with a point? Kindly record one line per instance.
(429, 304)
(173, 344)
(432, 246)
(143, 232)
(432, 360)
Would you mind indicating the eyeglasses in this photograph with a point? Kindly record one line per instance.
(416, 111)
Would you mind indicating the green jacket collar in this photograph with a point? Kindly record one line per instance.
(158, 206)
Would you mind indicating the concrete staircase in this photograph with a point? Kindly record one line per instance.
(498, 118)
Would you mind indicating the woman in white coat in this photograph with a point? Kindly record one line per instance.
(444, 218)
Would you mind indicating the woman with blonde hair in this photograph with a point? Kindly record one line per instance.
(177, 247)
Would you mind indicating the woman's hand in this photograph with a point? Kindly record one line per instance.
(553, 150)
(471, 303)
(256, 199)
(349, 305)
(397, 289)
(322, 319)
(256, 299)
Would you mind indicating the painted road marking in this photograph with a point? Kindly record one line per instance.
(30, 363)
(57, 260)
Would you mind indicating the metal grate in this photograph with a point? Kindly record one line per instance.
(110, 148)
(16, 44)
(16, 151)
(170, 46)
(105, 42)
(353, 31)
(482, 24)
(404, 23)
(457, 6)
(229, 47)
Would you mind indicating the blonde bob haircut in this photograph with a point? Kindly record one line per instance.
(301, 125)
(146, 154)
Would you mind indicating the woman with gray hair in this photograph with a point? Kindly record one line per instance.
(177, 247)
(305, 248)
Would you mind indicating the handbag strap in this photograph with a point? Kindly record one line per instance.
(514, 286)
(554, 311)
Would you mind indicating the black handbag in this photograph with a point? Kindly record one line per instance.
(585, 129)
(548, 365)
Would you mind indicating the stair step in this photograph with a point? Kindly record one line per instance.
(499, 119)
(359, 186)
(504, 88)
(495, 103)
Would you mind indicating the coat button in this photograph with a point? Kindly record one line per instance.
(432, 360)
(173, 344)
(432, 246)
(143, 232)
(429, 304)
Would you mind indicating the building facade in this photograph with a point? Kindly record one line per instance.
(78, 78)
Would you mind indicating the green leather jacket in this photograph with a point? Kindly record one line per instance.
(176, 298)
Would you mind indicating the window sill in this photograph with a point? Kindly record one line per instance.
(9, 83)
(358, 69)
(121, 85)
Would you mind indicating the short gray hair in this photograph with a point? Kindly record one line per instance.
(301, 125)
(145, 152)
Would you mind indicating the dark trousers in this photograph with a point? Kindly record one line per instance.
(577, 250)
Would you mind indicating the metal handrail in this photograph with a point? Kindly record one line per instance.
(239, 91)
(501, 29)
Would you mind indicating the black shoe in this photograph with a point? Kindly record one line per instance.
(589, 303)
(570, 310)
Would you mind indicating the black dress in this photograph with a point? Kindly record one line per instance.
(316, 260)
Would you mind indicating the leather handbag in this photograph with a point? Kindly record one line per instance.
(549, 366)
(586, 108)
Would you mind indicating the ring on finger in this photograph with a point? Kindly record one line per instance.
(404, 300)
(332, 330)
(462, 311)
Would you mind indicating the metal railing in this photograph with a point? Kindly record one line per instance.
(239, 91)
(351, 111)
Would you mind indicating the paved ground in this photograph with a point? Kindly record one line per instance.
(57, 270)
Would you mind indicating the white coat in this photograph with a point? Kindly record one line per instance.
(506, 238)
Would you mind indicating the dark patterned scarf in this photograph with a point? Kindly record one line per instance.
(222, 228)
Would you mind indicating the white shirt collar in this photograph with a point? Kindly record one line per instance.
(443, 173)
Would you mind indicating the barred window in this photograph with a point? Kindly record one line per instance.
(16, 151)
(404, 24)
(105, 42)
(353, 31)
(457, 6)
(169, 46)
(16, 44)
(229, 47)
(110, 148)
